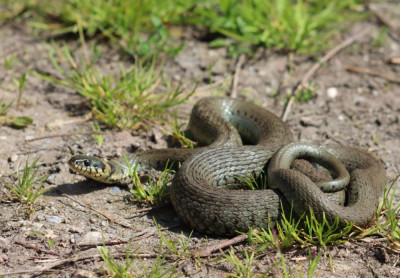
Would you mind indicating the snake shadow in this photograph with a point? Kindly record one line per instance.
(165, 215)
(80, 188)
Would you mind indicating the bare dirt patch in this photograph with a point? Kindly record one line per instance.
(60, 236)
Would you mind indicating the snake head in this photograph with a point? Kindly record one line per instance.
(90, 166)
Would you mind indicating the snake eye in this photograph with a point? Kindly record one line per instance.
(86, 162)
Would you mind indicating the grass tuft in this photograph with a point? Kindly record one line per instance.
(114, 268)
(387, 223)
(145, 27)
(305, 231)
(243, 268)
(127, 99)
(180, 247)
(302, 25)
(155, 191)
(29, 187)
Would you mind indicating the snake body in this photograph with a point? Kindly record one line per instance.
(201, 191)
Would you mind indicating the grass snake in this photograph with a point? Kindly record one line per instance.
(201, 191)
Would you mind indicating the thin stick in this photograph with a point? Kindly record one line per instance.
(372, 73)
(103, 243)
(61, 135)
(102, 214)
(26, 245)
(226, 243)
(394, 60)
(302, 83)
(142, 210)
(235, 82)
(118, 241)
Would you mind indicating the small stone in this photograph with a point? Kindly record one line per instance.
(75, 229)
(50, 234)
(40, 218)
(358, 100)
(310, 121)
(103, 223)
(92, 220)
(81, 273)
(115, 190)
(13, 158)
(53, 219)
(341, 117)
(92, 237)
(110, 201)
(332, 92)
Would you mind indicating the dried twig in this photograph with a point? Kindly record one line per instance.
(302, 83)
(372, 73)
(26, 245)
(235, 81)
(117, 241)
(394, 60)
(102, 214)
(61, 135)
(143, 210)
(226, 243)
(75, 120)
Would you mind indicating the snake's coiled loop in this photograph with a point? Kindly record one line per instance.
(367, 181)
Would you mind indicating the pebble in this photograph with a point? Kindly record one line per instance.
(115, 190)
(81, 273)
(92, 220)
(13, 158)
(310, 121)
(53, 219)
(92, 237)
(332, 92)
(358, 100)
(40, 218)
(52, 177)
(75, 229)
(103, 223)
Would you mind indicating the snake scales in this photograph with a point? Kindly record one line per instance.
(201, 190)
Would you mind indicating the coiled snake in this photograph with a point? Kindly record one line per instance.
(201, 190)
